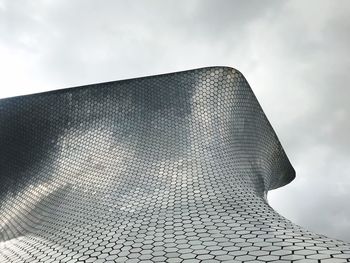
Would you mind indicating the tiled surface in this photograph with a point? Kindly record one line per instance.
(169, 168)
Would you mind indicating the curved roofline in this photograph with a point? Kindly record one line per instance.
(284, 179)
(58, 90)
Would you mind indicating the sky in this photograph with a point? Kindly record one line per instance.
(295, 55)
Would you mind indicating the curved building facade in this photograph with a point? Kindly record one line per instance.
(167, 168)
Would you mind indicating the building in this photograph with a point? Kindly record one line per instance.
(167, 168)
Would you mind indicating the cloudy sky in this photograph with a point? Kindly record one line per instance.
(295, 54)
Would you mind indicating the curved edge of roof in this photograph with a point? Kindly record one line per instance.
(284, 179)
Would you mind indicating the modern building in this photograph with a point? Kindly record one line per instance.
(167, 168)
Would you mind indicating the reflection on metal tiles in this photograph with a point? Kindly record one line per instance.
(168, 168)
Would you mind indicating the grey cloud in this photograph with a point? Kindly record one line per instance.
(130, 36)
(315, 54)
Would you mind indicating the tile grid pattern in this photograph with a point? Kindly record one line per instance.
(168, 168)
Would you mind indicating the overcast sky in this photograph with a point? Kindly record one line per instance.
(295, 55)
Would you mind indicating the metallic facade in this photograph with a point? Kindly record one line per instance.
(168, 168)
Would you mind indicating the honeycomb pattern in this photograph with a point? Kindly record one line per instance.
(168, 168)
